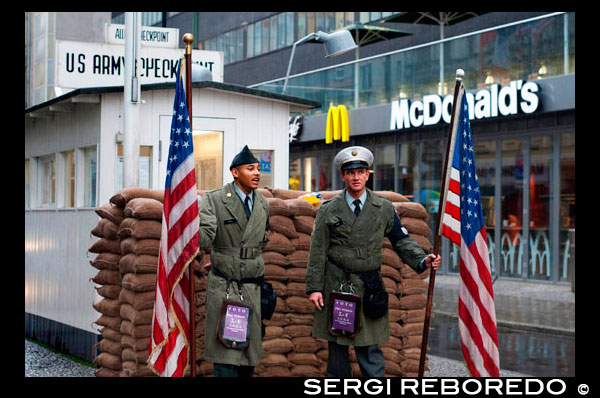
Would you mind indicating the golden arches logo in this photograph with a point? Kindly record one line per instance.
(338, 126)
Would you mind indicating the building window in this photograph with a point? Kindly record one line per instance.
(90, 175)
(27, 190)
(145, 171)
(295, 173)
(68, 178)
(144, 167)
(511, 241)
(540, 188)
(47, 180)
(208, 158)
(567, 206)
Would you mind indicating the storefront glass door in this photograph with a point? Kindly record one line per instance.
(511, 241)
(540, 184)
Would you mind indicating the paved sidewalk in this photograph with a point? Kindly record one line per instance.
(540, 307)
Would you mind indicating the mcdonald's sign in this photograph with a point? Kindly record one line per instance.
(338, 126)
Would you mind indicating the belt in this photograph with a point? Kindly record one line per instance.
(357, 252)
(244, 252)
(256, 281)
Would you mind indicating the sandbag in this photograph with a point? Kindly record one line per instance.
(416, 226)
(139, 282)
(392, 196)
(306, 344)
(105, 372)
(109, 346)
(389, 272)
(143, 317)
(275, 272)
(138, 264)
(105, 229)
(300, 305)
(135, 331)
(293, 331)
(278, 360)
(144, 208)
(113, 322)
(104, 245)
(272, 332)
(278, 242)
(296, 274)
(306, 371)
(110, 307)
(126, 194)
(287, 193)
(302, 242)
(276, 258)
(301, 207)
(279, 207)
(139, 301)
(422, 241)
(277, 346)
(411, 209)
(413, 302)
(283, 225)
(108, 291)
(296, 289)
(304, 224)
(110, 212)
(299, 258)
(391, 258)
(108, 361)
(107, 277)
(106, 260)
(133, 369)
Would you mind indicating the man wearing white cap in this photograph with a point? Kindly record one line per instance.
(346, 252)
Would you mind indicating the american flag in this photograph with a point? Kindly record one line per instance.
(463, 224)
(170, 339)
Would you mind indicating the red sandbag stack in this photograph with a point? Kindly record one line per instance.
(109, 286)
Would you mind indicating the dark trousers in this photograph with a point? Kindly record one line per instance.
(226, 370)
(370, 360)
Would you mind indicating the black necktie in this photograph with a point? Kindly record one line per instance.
(247, 207)
(356, 207)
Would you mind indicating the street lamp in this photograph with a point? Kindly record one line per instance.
(335, 43)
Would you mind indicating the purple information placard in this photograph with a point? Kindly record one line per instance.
(343, 315)
(236, 323)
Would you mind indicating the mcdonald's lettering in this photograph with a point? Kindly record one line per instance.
(338, 126)
(507, 100)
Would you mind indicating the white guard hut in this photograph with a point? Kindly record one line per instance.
(73, 164)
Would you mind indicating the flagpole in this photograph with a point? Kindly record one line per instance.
(188, 39)
(436, 246)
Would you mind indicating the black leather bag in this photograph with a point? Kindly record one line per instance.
(375, 298)
(268, 300)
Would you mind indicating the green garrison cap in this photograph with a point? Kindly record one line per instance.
(244, 157)
(354, 157)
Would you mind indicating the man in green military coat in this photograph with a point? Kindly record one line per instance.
(233, 221)
(346, 246)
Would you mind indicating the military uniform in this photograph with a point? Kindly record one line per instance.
(237, 243)
(343, 243)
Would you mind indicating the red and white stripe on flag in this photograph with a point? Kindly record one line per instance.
(463, 223)
(179, 245)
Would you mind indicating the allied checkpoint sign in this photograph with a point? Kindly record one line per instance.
(85, 64)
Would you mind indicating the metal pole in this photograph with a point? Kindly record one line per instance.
(436, 246)
(131, 96)
(188, 39)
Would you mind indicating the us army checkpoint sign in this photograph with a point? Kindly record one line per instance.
(82, 64)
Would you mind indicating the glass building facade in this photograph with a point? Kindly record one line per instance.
(525, 162)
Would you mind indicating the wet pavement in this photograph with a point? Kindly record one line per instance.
(536, 325)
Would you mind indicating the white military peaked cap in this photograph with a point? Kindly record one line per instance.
(353, 157)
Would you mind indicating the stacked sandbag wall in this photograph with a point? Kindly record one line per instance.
(108, 286)
(288, 347)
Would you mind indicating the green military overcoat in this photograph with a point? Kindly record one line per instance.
(354, 243)
(237, 244)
